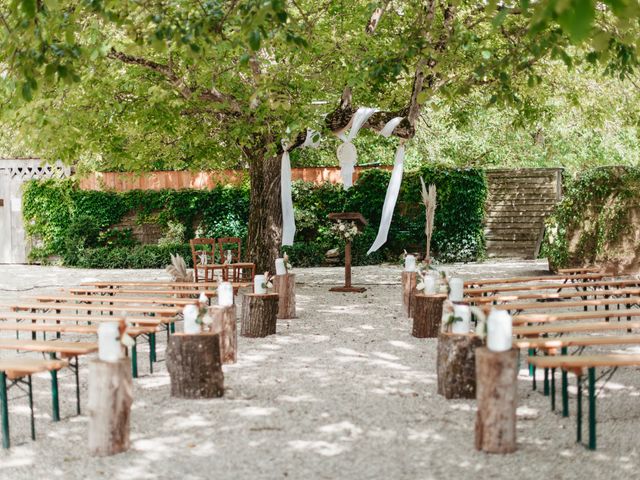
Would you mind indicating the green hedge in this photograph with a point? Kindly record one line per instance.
(592, 220)
(78, 225)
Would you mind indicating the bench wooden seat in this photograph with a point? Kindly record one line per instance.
(108, 292)
(157, 301)
(555, 343)
(146, 321)
(64, 349)
(66, 328)
(552, 296)
(515, 308)
(579, 270)
(12, 372)
(166, 311)
(163, 285)
(574, 327)
(470, 292)
(510, 280)
(577, 364)
(573, 316)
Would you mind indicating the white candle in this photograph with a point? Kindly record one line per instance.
(259, 284)
(191, 326)
(281, 269)
(456, 289)
(429, 285)
(109, 347)
(463, 312)
(409, 263)
(499, 331)
(225, 294)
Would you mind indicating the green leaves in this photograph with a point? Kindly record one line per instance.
(576, 17)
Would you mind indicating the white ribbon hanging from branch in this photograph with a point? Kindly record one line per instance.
(347, 153)
(288, 218)
(393, 189)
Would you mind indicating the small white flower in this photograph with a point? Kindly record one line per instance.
(207, 320)
(420, 286)
(127, 340)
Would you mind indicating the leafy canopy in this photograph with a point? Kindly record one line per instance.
(151, 84)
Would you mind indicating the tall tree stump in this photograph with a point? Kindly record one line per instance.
(285, 286)
(427, 315)
(110, 399)
(259, 314)
(497, 395)
(409, 282)
(224, 324)
(456, 365)
(195, 365)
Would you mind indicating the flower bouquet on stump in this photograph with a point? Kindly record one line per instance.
(348, 225)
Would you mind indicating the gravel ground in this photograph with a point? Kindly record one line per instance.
(344, 391)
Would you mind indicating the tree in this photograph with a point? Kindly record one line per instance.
(225, 81)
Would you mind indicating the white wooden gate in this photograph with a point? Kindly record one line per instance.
(13, 173)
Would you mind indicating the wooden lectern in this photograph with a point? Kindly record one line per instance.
(360, 222)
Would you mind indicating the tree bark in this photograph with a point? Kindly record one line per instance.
(285, 286)
(110, 399)
(224, 324)
(265, 210)
(457, 365)
(259, 314)
(497, 395)
(409, 280)
(427, 315)
(195, 366)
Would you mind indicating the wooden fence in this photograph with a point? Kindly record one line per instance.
(122, 182)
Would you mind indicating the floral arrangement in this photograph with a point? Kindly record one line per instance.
(287, 264)
(345, 230)
(178, 269)
(228, 257)
(268, 281)
(124, 338)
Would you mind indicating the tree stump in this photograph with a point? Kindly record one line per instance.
(427, 315)
(456, 365)
(195, 365)
(497, 395)
(259, 314)
(224, 324)
(409, 282)
(110, 399)
(285, 286)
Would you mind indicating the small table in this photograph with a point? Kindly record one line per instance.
(360, 222)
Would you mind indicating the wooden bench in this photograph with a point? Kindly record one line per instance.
(134, 332)
(107, 292)
(12, 373)
(574, 316)
(579, 270)
(471, 292)
(164, 285)
(155, 301)
(577, 365)
(574, 327)
(66, 350)
(517, 308)
(550, 297)
(148, 310)
(511, 280)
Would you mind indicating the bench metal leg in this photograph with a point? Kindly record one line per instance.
(553, 389)
(172, 327)
(532, 369)
(55, 402)
(565, 388)
(545, 387)
(76, 368)
(134, 359)
(33, 420)
(592, 408)
(5, 410)
(579, 411)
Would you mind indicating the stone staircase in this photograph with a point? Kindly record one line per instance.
(517, 205)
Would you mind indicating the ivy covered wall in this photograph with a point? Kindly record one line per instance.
(598, 222)
(81, 227)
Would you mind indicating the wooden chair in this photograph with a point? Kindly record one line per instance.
(239, 271)
(204, 259)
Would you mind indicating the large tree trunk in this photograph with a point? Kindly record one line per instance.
(265, 214)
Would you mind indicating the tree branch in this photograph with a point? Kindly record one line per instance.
(375, 17)
(212, 94)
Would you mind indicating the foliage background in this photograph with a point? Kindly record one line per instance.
(594, 223)
(80, 226)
